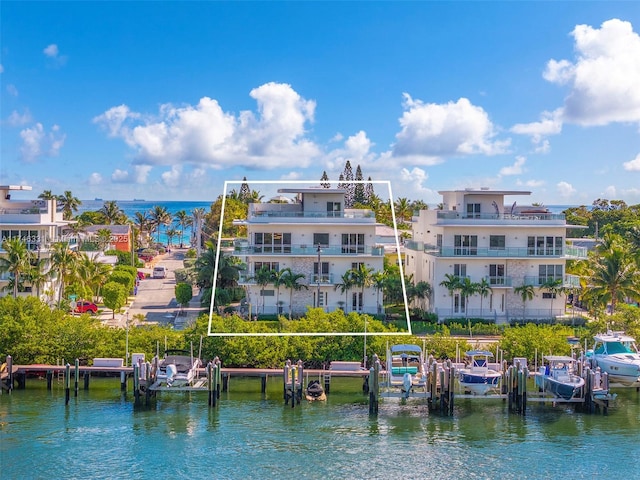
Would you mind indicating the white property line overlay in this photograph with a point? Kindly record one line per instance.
(304, 334)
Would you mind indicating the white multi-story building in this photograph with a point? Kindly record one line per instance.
(476, 235)
(317, 237)
(38, 223)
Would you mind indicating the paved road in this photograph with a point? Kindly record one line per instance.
(156, 296)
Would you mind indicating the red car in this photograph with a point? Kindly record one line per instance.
(86, 307)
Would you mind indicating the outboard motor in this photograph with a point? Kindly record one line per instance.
(171, 373)
(406, 384)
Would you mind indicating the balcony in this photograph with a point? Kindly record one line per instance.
(509, 252)
(287, 213)
(568, 281)
(460, 218)
(308, 250)
(499, 282)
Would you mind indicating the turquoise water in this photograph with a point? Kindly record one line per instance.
(101, 435)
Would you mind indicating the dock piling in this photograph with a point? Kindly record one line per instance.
(67, 383)
(76, 377)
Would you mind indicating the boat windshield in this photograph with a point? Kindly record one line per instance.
(615, 347)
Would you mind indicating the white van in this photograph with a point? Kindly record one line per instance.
(159, 272)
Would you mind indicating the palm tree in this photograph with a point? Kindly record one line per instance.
(37, 275)
(16, 261)
(403, 209)
(361, 278)
(422, 291)
(379, 278)
(103, 238)
(112, 214)
(63, 262)
(614, 275)
(526, 292)
(142, 221)
(47, 195)
(553, 286)
(467, 289)
(278, 281)
(452, 283)
(69, 204)
(159, 217)
(263, 277)
(171, 234)
(290, 281)
(483, 289)
(345, 286)
(184, 220)
(92, 274)
(198, 215)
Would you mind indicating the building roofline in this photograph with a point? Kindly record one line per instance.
(486, 191)
(312, 190)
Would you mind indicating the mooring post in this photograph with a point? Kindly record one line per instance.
(49, 379)
(123, 380)
(86, 380)
(300, 381)
(67, 383)
(136, 384)
(285, 379)
(9, 373)
(76, 377)
(218, 376)
(210, 390)
(263, 383)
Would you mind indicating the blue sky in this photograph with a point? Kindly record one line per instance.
(167, 100)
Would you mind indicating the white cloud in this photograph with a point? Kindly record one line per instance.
(530, 183)
(120, 176)
(550, 124)
(173, 177)
(610, 192)
(17, 120)
(141, 173)
(356, 149)
(37, 143)
(565, 189)
(432, 131)
(12, 90)
(51, 51)
(205, 134)
(416, 177)
(291, 176)
(95, 179)
(632, 165)
(515, 169)
(604, 80)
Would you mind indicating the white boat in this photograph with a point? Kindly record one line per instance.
(477, 377)
(559, 377)
(406, 369)
(617, 355)
(178, 368)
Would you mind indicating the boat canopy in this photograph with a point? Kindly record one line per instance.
(559, 358)
(477, 353)
(405, 348)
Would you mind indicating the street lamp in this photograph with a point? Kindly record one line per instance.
(318, 277)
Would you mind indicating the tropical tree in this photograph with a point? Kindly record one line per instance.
(263, 277)
(403, 209)
(37, 275)
(553, 286)
(526, 292)
(16, 261)
(171, 234)
(63, 263)
(184, 220)
(467, 289)
(92, 274)
(361, 277)
(422, 291)
(452, 283)
(379, 278)
(142, 221)
(69, 204)
(112, 214)
(103, 238)
(278, 281)
(613, 273)
(345, 285)
(47, 195)
(483, 288)
(290, 281)
(115, 296)
(159, 217)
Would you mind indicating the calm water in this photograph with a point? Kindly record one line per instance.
(100, 435)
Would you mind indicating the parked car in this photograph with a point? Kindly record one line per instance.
(141, 275)
(159, 272)
(84, 306)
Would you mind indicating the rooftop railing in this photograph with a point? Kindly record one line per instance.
(453, 215)
(300, 249)
(507, 252)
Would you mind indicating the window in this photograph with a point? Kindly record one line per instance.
(333, 209)
(460, 270)
(272, 266)
(321, 239)
(549, 272)
(458, 303)
(266, 242)
(353, 243)
(548, 295)
(496, 274)
(267, 293)
(356, 265)
(545, 245)
(473, 210)
(465, 244)
(496, 242)
(439, 240)
(324, 274)
(356, 301)
(322, 297)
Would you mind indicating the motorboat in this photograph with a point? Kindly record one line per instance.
(617, 355)
(406, 369)
(477, 377)
(178, 368)
(558, 377)
(314, 391)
